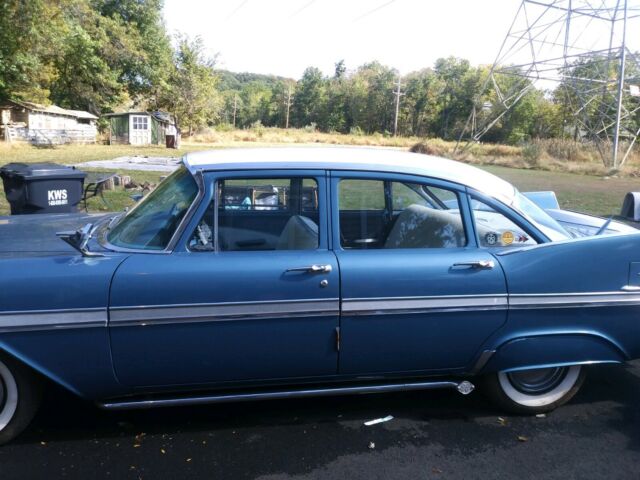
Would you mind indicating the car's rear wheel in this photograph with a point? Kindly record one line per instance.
(535, 391)
(20, 394)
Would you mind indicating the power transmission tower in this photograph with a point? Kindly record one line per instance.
(288, 105)
(577, 51)
(398, 93)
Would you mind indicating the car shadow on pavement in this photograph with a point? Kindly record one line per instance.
(433, 430)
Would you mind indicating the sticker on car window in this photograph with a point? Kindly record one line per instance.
(491, 238)
(507, 238)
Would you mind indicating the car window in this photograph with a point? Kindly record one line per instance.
(152, 223)
(495, 229)
(261, 214)
(361, 195)
(378, 214)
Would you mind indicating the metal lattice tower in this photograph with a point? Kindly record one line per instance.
(577, 51)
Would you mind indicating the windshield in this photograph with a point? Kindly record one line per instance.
(152, 223)
(539, 218)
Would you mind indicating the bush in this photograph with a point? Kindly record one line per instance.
(356, 131)
(311, 128)
(532, 152)
(225, 127)
(566, 150)
(257, 128)
(427, 149)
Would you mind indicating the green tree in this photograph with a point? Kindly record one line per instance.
(309, 104)
(191, 94)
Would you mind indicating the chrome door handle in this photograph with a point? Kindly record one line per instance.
(312, 269)
(487, 264)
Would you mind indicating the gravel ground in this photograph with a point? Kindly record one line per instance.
(433, 435)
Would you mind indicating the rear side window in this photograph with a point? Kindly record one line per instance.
(379, 214)
(260, 214)
(495, 230)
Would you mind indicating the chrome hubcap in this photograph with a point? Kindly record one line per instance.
(538, 381)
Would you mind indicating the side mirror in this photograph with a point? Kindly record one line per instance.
(631, 206)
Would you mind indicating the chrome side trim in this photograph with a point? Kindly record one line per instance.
(405, 305)
(464, 387)
(573, 300)
(52, 319)
(148, 315)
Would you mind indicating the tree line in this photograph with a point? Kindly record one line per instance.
(108, 55)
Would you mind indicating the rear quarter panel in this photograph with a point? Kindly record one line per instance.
(566, 304)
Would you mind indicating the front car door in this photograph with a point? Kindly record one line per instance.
(417, 293)
(252, 295)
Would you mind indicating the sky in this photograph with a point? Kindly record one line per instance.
(283, 37)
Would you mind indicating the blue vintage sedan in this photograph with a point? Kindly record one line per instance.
(271, 273)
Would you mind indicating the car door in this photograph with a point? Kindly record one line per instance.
(252, 295)
(417, 292)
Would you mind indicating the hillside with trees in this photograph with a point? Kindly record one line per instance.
(109, 55)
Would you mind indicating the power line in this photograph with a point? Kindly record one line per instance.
(242, 4)
(301, 9)
(380, 7)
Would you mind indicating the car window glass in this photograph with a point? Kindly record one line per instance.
(496, 230)
(405, 195)
(375, 214)
(153, 221)
(361, 195)
(261, 214)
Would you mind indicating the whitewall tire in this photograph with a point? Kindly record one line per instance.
(535, 391)
(20, 394)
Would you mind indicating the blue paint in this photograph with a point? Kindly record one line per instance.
(40, 272)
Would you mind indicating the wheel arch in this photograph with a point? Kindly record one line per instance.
(552, 350)
(36, 368)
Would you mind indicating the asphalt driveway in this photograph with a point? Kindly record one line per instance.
(438, 435)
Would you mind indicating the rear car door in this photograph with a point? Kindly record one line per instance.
(251, 296)
(417, 292)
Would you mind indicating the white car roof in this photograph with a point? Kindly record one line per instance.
(351, 158)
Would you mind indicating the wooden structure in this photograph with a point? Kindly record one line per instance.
(45, 125)
(142, 128)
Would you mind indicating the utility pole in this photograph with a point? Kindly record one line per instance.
(288, 104)
(235, 108)
(398, 93)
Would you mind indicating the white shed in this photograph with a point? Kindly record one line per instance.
(45, 125)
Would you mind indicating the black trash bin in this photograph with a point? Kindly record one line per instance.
(42, 187)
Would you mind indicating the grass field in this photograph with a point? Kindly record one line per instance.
(588, 193)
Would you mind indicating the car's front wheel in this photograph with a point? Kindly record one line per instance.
(20, 394)
(535, 391)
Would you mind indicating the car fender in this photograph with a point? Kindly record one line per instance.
(53, 318)
(553, 350)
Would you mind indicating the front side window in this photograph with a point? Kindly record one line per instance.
(496, 230)
(150, 225)
(383, 214)
(261, 214)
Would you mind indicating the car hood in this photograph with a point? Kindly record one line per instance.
(25, 235)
